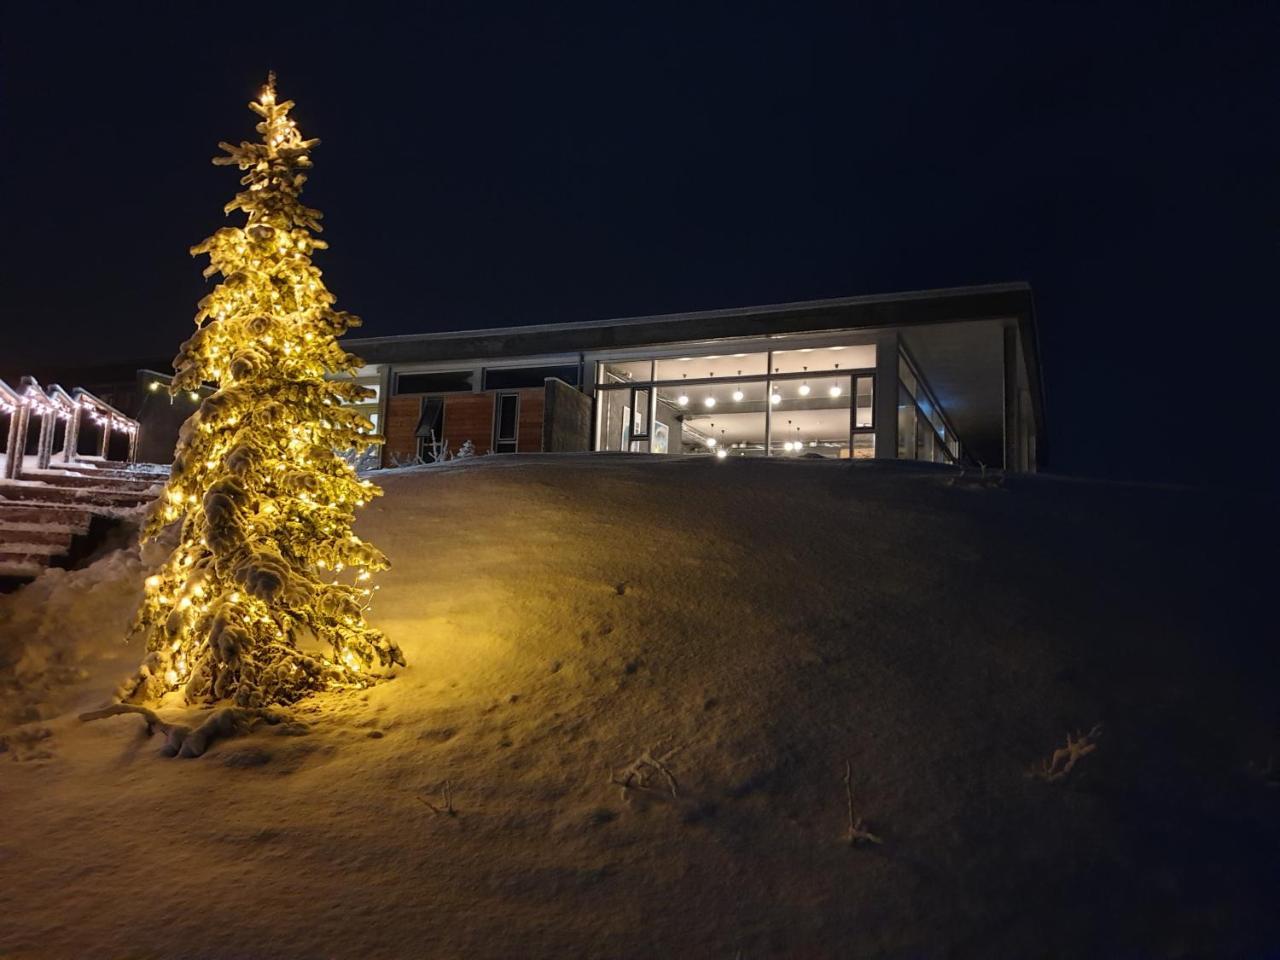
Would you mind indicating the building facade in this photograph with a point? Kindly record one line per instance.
(947, 376)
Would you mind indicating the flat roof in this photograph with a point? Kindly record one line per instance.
(986, 301)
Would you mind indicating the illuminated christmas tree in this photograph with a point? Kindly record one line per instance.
(263, 599)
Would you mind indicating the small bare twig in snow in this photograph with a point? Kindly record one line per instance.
(637, 774)
(857, 833)
(446, 790)
(1063, 760)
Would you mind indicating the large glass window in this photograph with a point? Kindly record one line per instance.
(923, 431)
(810, 417)
(711, 368)
(710, 417)
(505, 422)
(803, 359)
(454, 381)
(624, 371)
(517, 378)
(864, 407)
(793, 402)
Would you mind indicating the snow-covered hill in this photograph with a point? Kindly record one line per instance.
(639, 684)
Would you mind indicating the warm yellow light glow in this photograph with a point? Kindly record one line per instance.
(835, 391)
(804, 389)
(682, 400)
(737, 395)
(722, 453)
(775, 398)
(260, 489)
(709, 402)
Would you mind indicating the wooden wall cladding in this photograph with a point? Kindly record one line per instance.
(469, 416)
(402, 423)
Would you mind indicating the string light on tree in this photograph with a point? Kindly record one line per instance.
(263, 495)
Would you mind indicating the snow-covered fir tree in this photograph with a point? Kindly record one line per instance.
(263, 599)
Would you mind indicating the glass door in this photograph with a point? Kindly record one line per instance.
(641, 401)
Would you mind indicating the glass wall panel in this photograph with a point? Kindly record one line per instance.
(863, 410)
(624, 371)
(925, 441)
(613, 429)
(864, 446)
(720, 365)
(810, 417)
(708, 418)
(906, 424)
(906, 376)
(800, 359)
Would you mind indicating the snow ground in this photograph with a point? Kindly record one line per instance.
(758, 623)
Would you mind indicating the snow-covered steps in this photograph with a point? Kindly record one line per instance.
(42, 514)
(64, 478)
(51, 535)
(156, 472)
(76, 519)
(103, 496)
(19, 570)
(148, 473)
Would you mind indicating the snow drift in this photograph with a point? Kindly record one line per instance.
(634, 689)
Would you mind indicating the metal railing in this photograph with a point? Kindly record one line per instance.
(54, 405)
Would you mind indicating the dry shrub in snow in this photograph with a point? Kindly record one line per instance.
(857, 832)
(1063, 760)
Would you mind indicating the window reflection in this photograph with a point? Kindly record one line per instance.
(717, 366)
(803, 359)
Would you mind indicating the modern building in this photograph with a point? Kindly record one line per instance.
(949, 376)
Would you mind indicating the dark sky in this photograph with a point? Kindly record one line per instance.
(483, 167)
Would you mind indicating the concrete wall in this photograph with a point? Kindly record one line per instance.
(566, 421)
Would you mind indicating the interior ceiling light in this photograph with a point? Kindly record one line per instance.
(711, 441)
(804, 389)
(787, 446)
(722, 453)
(835, 391)
(709, 402)
(775, 399)
(737, 395)
(683, 400)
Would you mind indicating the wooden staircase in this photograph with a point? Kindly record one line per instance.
(46, 514)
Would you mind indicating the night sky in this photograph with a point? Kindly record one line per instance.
(482, 167)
